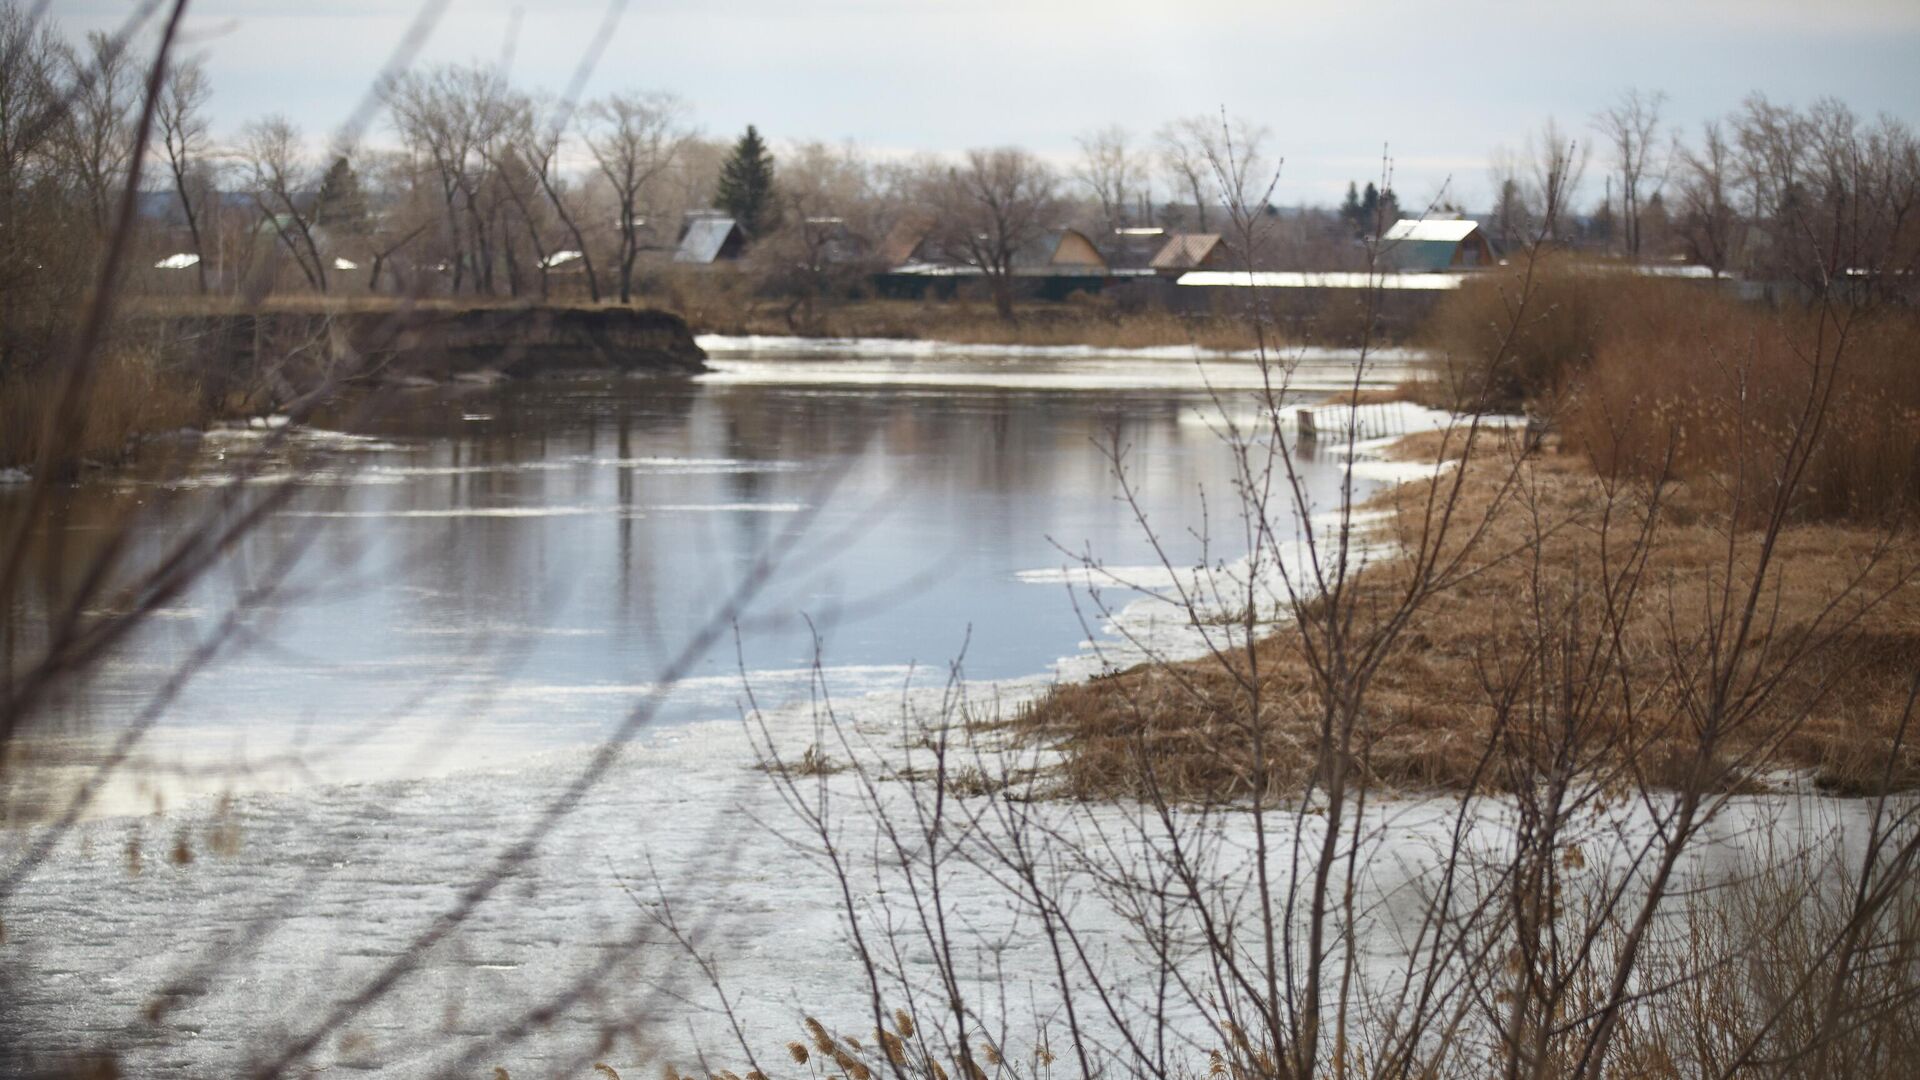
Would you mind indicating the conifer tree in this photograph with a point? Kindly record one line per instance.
(746, 185)
(1350, 211)
(340, 205)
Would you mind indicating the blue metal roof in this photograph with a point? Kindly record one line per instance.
(706, 238)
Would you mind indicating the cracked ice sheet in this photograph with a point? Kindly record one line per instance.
(341, 879)
(799, 361)
(307, 895)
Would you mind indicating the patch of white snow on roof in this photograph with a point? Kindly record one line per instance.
(1447, 231)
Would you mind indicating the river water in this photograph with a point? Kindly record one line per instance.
(484, 580)
(464, 576)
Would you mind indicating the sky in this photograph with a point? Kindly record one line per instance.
(1437, 88)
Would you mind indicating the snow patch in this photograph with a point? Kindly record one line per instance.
(463, 512)
(914, 348)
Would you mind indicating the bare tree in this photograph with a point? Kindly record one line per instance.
(990, 207)
(1557, 163)
(95, 139)
(1708, 218)
(1186, 146)
(1828, 196)
(1512, 218)
(1633, 127)
(1111, 169)
(30, 59)
(444, 116)
(180, 116)
(635, 139)
(30, 114)
(540, 137)
(278, 175)
(827, 228)
(518, 184)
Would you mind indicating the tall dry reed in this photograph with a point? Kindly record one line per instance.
(129, 396)
(1719, 385)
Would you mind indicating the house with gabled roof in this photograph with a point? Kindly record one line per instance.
(1190, 251)
(1428, 244)
(1132, 247)
(906, 242)
(710, 237)
(1061, 251)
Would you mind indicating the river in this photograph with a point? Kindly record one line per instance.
(460, 577)
(485, 580)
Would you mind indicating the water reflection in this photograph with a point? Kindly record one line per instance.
(497, 570)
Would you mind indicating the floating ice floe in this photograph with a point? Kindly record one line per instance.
(912, 348)
(462, 512)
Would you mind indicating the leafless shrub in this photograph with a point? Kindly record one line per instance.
(1645, 651)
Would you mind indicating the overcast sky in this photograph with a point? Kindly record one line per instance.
(1439, 85)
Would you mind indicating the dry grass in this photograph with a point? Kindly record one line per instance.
(128, 397)
(1632, 369)
(1429, 714)
(1489, 347)
(1761, 973)
(901, 1049)
(315, 303)
(1373, 395)
(1719, 386)
(1756, 990)
(812, 762)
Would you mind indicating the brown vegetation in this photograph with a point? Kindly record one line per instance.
(1755, 950)
(1644, 374)
(1436, 702)
(1717, 386)
(130, 397)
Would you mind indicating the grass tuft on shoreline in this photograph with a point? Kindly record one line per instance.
(1183, 730)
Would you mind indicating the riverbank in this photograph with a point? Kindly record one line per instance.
(204, 937)
(1091, 323)
(1532, 530)
(187, 362)
(306, 894)
(166, 367)
(307, 897)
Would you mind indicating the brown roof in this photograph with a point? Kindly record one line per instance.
(1071, 247)
(1184, 251)
(904, 239)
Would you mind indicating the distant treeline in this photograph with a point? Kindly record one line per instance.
(476, 187)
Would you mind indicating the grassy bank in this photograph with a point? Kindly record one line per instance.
(1435, 706)
(713, 306)
(1719, 480)
(177, 362)
(1645, 375)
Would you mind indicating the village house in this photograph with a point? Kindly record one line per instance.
(1191, 251)
(1428, 244)
(709, 237)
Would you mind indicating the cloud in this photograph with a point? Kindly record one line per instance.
(1335, 82)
